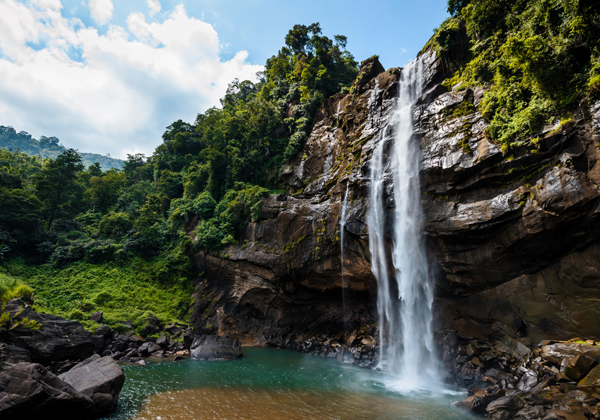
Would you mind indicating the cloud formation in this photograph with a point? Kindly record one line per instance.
(154, 6)
(101, 10)
(114, 92)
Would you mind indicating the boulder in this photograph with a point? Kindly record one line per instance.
(135, 341)
(96, 316)
(121, 342)
(148, 348)
(153, 326)
(555, 353)
(30, 391)
(592, 378)
(128, 324)
(57, 339)
(213, 347)
(575, 368)
(478, 402)
(98, 378)
(99, 342)
(173, 329)
(163, 341)
(103, 330)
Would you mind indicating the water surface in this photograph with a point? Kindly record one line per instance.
(272, 384)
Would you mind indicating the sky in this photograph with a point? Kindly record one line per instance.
(108, 76)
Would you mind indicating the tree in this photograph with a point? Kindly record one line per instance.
(57, 186)
(104, 190)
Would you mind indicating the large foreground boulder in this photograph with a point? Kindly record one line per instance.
(213, 347)
(57, 339)
(30, 391)
(90, 389)
(100, 379)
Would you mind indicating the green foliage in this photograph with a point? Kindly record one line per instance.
(540, 58)
(17, 165)
(11, 288)
(89, 250)
(182, 209)
(130, 292)
(234, 211)
(460, 109)
(20, 219)
(115, 224)
(260, 125)
(104, 188)
(57, 186)
(450, 42)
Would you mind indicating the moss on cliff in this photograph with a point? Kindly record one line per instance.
(538, 59)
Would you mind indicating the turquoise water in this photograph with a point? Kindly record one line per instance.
(272, 384)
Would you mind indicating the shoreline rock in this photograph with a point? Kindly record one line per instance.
(214, 347)
(100, 379)
(89, 385)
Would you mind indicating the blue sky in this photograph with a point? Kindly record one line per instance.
(108, 76)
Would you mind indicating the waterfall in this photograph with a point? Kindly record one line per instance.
(405, 295)
(343, 218)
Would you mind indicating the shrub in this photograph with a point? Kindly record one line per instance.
(115, 224)
(540, 59)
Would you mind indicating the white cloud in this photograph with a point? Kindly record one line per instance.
(101, 10)
(154, 6)
(121, 90)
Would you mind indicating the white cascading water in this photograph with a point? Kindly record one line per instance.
(405, 295)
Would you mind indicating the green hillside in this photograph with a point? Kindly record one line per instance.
(49, 147)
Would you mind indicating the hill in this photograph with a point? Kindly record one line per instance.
(49, 147)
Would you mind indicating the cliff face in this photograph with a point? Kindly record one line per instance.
(516, 235)
(512, 238)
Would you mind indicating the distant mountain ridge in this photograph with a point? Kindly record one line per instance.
(49, 147)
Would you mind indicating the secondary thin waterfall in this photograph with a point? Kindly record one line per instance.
(343, 218)
(404, 292)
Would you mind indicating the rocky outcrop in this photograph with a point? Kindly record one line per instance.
(130, 347)
(554, 381)
(515, 235)
(100, 379)
(512, 235)
(213, 347)
(30, 391)
(52, 339)
(90, 389)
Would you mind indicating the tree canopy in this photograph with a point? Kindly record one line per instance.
(208, 176)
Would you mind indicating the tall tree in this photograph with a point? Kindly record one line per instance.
(57, 186)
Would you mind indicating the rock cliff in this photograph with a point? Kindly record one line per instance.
(512, 236)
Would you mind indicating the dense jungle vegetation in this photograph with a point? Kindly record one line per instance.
(119, 241)
(539, 60)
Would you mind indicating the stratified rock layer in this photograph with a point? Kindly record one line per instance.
(513, 237)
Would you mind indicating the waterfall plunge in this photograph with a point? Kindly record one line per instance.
(404, 293)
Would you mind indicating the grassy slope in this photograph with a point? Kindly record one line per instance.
(123, 293)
